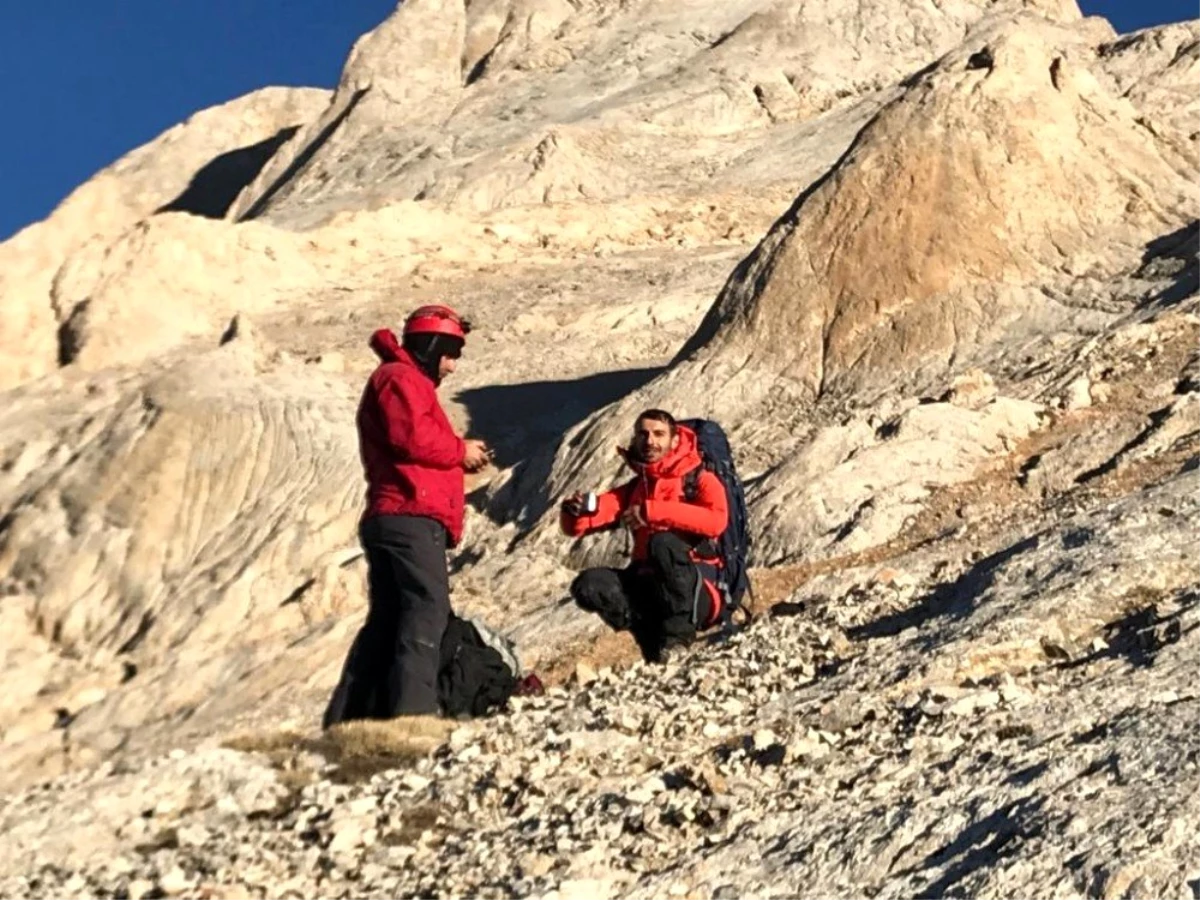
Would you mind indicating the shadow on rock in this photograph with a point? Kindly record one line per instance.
(953, 601)
(216, 185)
(525, 424)
(1176, 256)
(980, 844)
(1138, 636)
(302, 159)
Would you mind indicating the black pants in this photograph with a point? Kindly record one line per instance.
(661, 600)
(392, 666)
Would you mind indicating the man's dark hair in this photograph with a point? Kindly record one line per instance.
(658, 415)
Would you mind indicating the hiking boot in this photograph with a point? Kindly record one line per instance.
(529, 686)
(669, 654)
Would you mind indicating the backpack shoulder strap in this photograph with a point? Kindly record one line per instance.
(691, 484)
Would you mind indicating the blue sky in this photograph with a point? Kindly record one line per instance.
(88, 80)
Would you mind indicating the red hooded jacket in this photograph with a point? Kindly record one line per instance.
(411, 456)
(659, 489)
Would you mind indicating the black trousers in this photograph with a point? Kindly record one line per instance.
(392, 666)
(661, 600)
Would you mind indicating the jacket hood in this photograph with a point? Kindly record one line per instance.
(387, 346)
(389, 350)
(676, 464)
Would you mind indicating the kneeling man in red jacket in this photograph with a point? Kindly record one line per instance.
(676, 509)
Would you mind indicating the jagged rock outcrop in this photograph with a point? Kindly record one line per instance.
(399, 83)
(198, 167)
(640, 90)
(911, 252)
(420, 114)
(1153, 70)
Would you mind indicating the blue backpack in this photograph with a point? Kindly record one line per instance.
(733, 546)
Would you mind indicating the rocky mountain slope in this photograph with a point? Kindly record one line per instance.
(933, 265)
(1023, 722)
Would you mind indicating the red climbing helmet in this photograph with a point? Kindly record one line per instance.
(437, 319)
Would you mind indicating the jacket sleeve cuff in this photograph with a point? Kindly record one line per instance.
(574, 526)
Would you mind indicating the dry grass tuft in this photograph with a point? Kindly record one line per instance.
(610, 648)
(364, 748)
(358, 749)
(266, 742)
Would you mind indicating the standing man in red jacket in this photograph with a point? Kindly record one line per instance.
(414, 465)
(668, 591)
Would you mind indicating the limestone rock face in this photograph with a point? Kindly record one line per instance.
(520, 101)
(198, 166)
(1005, 174)
(183, 517)
(397, 85)
(170, 278)
(1153, 69)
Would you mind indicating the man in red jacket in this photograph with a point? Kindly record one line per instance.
(668, 591)
(414, 465)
